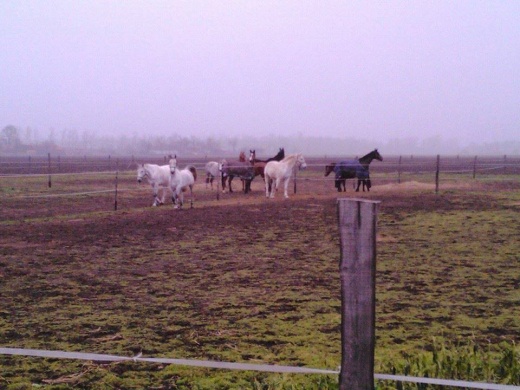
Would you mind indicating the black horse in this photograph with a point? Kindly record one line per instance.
(278, 157)
(353, 169)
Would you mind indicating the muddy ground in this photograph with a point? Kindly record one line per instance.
(245, 278)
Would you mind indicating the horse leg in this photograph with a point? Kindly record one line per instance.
(155, 189)
(274, 187)
(229, 183)
(223, 179)
(285, 188)
(191, 196)
(163, 196)
(358, 184)
(180, 199)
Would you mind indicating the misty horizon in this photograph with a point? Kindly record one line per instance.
(71, 141)
(441, 76)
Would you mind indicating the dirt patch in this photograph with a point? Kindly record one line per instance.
(245, 278)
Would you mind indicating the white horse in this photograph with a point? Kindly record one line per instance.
(158, 176)
(180, 181)
(276, 171)
(212, 171)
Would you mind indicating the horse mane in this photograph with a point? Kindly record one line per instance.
(290, 157)
(367, 158)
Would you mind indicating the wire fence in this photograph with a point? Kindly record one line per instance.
(391, 164)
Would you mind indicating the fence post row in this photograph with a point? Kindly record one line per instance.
(357, 225)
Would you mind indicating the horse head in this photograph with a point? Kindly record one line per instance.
(141, 172)
(300, 161)
(252, 156)
(373, 155)
(281, 154)
(329, 168)
(173, 164)
(242, 157)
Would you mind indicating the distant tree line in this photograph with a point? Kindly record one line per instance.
(15, 141)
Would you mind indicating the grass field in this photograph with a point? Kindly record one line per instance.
(247, 279)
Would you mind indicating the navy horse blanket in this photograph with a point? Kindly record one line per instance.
(350, 169)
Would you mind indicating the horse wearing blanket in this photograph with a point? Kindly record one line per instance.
(353, 169)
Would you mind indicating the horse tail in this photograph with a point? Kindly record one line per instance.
(193, 171)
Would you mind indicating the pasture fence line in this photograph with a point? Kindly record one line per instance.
(382, 179)
(96, 357)
(59, 164)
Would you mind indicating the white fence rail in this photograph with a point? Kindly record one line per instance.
(242, 366)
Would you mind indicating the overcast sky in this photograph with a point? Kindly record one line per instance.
(366, 69)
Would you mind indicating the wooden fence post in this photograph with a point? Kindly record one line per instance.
(115, 195)
(399, 170)
(437, 174)
(49, 168)
(474, 167)
(357, 224)
(116, 183)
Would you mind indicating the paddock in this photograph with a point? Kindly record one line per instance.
(81, 276)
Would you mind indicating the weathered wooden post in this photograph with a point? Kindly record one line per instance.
(437, 174)
(357, 224)
(49, 169)
(116, 182)
(115, 195)
(399, 170)
(474, 167)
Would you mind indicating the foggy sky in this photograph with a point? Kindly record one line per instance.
(364, 69)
